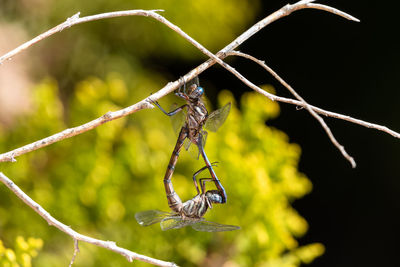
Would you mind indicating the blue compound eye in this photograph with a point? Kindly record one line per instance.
(200, 90)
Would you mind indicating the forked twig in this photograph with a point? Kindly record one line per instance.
(307, 106)
(129, 255)
(314, 108)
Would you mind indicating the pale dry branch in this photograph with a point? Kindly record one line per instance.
(74, 20)
(307, 106)
(314, 108)
(129, 255)
(286, 10)
(109, 116)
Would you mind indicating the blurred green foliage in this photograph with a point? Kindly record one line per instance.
(117, 44)
(23, 253)
(97, 181)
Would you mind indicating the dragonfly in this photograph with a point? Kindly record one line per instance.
(192, 130)
(189, 213)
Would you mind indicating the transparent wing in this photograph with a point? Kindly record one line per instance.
(177, 120)
(187, 144)
(149, 217)
(207, 226)
(217, 118)
(189, 83)
(204, 135)
(175, 222)
(195, 81)
(193, 150)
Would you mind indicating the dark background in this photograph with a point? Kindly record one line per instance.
(350, 68)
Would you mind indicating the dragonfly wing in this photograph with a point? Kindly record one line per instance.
(174, 222)
(187, 143)
(177, 120)
(217, 118)
(149, 217)
(207, 226)
(204, 135)
(193, 150)
(189, 83)
(195, 81)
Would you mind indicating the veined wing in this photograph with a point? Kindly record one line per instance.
(149, 217)
(176, 222)
(207, 226)
(204, 135)
(187, 85)
(178, 120)
(217, 118)
(193, 150)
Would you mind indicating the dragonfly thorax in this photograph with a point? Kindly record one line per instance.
(195, 207)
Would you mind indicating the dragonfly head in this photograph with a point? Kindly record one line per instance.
(195, 91)
(214, 196)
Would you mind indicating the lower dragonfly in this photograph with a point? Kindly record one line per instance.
(189, 213)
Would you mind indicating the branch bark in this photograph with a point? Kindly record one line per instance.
(129, 255)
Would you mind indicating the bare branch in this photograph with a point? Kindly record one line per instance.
(307, 106)
(129, 255)
(74, 20)
(109, 116)
(10, 156)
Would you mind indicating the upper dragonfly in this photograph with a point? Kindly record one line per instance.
(190, 212)
(192, 129)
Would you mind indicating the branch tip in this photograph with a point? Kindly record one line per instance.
(305, 2)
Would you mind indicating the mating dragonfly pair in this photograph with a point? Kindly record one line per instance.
(191, 127)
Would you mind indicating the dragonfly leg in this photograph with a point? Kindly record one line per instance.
(203, 181)
(171, 113)
(214, 164)
(212, 173)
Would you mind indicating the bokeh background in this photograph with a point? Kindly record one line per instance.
(97, 181)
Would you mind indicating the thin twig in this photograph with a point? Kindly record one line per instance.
(76, 251)
(307, 106)
(314, 108)
(129, 255)
(74, 20)
(286, 10)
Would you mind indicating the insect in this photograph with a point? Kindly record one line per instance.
(188, 213)
(196, 118)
